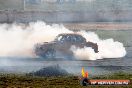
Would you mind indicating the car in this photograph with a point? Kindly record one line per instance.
(61, 46)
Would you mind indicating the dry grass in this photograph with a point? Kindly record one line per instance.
(23, 81)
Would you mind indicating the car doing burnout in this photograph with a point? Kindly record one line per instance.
(61, 46)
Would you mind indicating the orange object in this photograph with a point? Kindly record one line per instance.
(84, 74)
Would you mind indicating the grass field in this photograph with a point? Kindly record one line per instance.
(23, 81)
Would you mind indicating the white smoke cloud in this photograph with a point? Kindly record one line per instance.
(19, 40)
(85, 53)
(107, 48)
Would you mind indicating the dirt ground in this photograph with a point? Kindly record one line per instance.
(100, 26)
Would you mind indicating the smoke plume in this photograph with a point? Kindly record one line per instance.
(19, 40)
(107, 48)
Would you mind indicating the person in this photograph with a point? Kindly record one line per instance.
(85, 82)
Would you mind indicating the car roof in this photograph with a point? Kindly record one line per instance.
(71, 34)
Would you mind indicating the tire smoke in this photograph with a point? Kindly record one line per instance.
(107, 48)
(19, 40)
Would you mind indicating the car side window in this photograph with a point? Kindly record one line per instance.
(66, 38)
(70, 38)
(80, 39)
